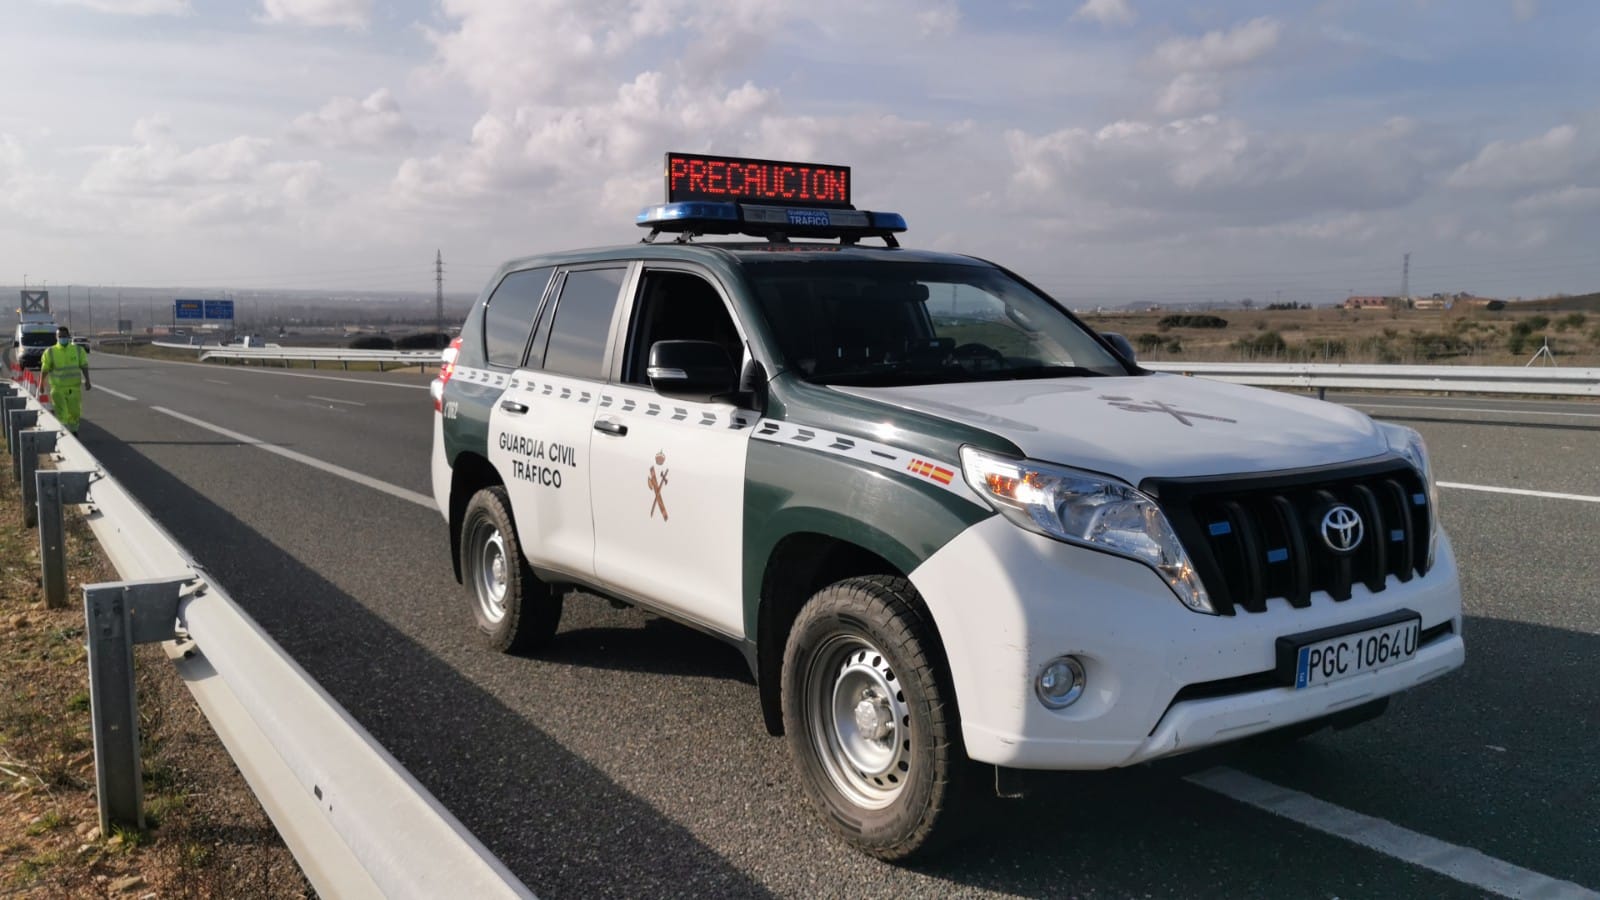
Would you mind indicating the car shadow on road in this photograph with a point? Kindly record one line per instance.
(552, 817)
(641, 642)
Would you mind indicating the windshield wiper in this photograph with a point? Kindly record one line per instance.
(1025, 372)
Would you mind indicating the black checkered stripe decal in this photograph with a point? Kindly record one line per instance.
(583, 393)
(901, 462)
(940, 474)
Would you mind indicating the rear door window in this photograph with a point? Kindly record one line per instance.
(508, 318)
(582, 326)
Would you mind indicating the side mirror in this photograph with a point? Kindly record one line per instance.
(1120, 344)
(691, 369)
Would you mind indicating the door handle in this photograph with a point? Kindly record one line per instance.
(609, 427)
(512, 406)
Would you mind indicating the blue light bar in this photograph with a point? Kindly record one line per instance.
(654, 216)
(772, 222)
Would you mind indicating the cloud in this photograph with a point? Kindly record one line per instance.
(1569, 200)
(132, 7)
(375, 123)
(581, 146)
(167, 184)
(1106, 12)
(317, 13)
(1524, 9)
(1219, 50)
(1190, 93)
(1550, 158)
(1217, 171)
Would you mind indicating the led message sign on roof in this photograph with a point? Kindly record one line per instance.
(692, 176)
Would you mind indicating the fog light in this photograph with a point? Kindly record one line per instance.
(1060, 682)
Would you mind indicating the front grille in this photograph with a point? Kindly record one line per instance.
(1253, 538)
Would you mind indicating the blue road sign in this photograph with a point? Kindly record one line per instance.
(188, 309)
(219, 309)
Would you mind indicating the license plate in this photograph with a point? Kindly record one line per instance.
(1320, 658)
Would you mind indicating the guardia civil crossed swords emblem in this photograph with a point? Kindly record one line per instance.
(655, 483)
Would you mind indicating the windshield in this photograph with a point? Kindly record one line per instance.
(882, 323)
(38, 338)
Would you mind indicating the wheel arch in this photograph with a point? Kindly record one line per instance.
(470, 474)
(818, 550)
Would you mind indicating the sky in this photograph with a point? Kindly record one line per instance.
(1112, 151)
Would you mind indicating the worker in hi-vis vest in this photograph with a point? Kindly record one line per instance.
(67, 366)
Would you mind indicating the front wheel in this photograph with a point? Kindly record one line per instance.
(514, 610)
(870, 719)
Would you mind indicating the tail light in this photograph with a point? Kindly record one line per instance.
(447, 368)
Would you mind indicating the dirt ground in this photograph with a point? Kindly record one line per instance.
(1475, 337)
(207, 835)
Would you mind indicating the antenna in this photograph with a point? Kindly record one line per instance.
(1405, 276)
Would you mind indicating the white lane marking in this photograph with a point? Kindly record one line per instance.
(392, 490)
(1490, 489)
(217, 381)
(106, 390)
(1464, 864)
(335, 400)
(266, 371)
(1508, 412)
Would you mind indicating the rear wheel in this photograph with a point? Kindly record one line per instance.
(870, 718)
(514, 610)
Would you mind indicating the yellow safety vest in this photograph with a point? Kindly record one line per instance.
(64, 365)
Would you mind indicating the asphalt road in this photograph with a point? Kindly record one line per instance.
(630, 760)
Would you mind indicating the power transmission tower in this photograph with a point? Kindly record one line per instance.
(1405, 277)
(438, 291)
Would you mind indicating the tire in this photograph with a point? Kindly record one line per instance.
(514, 610)
(871, 720)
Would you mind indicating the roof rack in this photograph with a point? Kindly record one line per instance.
(692, 218)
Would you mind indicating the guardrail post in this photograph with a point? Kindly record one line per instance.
(56, 490)
(7, 404)
(34, 443)
(17, 420)
(117, 616)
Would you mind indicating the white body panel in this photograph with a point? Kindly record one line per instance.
(542, 455)
(1006, 601)
(683, 552)
(439, 465)
(1119, 426)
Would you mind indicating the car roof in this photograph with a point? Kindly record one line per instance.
(742, 253)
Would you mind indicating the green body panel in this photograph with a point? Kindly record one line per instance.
(797, 490)
(468, 430)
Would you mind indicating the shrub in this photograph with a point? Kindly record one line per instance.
(1187, 320)
(1148, 341)
(372, 342)
(427, 340)
(1267, 343)
(1538, 323)
(1574, 320)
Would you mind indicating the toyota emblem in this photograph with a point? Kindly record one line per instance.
(1342, 529)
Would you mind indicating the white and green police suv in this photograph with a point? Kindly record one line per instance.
(946, 522)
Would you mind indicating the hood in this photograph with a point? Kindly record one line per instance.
(1160, 425)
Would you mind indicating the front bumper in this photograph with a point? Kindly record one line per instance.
(1006, 601)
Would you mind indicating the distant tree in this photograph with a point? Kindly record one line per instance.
(372, 342)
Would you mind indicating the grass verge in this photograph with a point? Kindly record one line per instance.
(207, 835)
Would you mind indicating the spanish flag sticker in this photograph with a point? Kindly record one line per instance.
(930, 471)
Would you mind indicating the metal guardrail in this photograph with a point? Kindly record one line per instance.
(1320, 377)
(309, 354)
(1466, 379)
(358, 823)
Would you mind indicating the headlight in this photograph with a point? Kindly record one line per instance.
(1409, 444)
(1086, 509)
